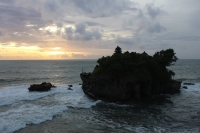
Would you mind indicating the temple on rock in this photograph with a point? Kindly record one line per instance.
(118, 50)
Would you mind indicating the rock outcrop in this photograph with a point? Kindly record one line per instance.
(110, 88)
(126, 76)
(41, 87)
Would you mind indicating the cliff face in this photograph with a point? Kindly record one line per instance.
(127, 88)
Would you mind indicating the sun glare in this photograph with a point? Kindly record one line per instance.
(56, 48)
(13, 51)
(51, 28)
(29, 48)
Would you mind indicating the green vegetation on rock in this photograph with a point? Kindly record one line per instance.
(131, 75)
(143, 67)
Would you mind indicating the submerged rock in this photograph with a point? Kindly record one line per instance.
(126, 76)
(70, 88)
(185, 87)
(188, 83)
(41, 87)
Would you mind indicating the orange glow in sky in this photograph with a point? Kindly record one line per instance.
(90, 29)
(11, 52)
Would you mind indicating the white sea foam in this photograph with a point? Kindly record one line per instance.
(118, 105)
(10, 95)
(24, 107)
(192, 88)
(18, 117)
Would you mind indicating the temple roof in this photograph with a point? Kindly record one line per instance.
(118, 50)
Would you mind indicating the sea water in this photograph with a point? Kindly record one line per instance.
(19, 107)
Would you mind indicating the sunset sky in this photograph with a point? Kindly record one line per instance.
(89, 29)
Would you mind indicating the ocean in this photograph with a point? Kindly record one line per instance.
(62, 110)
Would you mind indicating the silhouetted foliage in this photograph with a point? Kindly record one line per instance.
(143, 66)
(165, 57)
(118, 50)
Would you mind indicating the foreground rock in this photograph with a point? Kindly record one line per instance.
(127, 76)
(41, 87)
(115, 89)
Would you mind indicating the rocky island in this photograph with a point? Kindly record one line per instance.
(41, 87)
(126, 76)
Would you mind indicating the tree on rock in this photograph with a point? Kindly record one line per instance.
(131, 75)
(165, 57)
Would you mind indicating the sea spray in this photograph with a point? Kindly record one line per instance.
(20, 107)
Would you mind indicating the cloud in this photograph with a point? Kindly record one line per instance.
(59, 24)
(52, 9)
(143, 20)
(3, 32)
(102, 8)
(82, 32)
(153, 11)
(77, 20)
(80, 28)
(69, 22)
(80, 56)
(89, 23)
(156, 28)
(11, 12)
(125, 40)
(100, 24)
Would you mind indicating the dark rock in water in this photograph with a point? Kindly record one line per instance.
(70, 85)
(110, 88)
(195, 117)
(80, 84)
(185, 87)
(41, 87)
(53, 86)
(188, 83)
(127, 76)
(70, 88)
